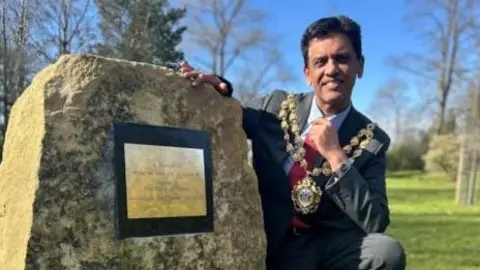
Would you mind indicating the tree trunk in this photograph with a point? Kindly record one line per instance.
(441, 115)
(6, 68)
(462, 176)
(473, 179)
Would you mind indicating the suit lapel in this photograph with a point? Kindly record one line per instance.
(304, 103)
(351, 125)
(356, 121)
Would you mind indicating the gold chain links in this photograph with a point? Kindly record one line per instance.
(289, 121)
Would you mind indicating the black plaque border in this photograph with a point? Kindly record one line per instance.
(162, 136)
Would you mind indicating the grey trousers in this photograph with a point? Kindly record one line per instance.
(342, 250)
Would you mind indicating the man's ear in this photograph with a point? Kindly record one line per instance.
(362, 64)
(306, 73)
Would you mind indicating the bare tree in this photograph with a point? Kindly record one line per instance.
(230, 34)
(62, 27)
(393, 106)
(254, 79)
(446, 26)
(391, 101)
(6, 68)
(15, 25)
(23, 17)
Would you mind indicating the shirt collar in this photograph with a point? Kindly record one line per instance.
(336, 119)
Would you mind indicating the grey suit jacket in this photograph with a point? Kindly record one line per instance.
(356, 201)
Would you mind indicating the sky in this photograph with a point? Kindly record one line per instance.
(384, 35)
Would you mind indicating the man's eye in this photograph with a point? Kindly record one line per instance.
(343, 58)
(320, 62)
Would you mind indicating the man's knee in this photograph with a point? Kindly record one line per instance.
(383, 252)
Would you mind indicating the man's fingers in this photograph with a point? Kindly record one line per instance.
(314, 131)
(191, 74)
(185, 69)
(207, 78)
(321, 121)
(184, 66)
(198, 78)
(318, 121)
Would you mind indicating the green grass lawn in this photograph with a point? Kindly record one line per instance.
(436, 233)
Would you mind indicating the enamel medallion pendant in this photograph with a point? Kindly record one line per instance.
(306, 196)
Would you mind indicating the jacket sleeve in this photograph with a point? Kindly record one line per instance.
(252, 110)
(362, 194)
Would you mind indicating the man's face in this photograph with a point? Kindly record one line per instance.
(332, 69)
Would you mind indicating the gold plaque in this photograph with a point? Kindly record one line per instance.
(164, 181)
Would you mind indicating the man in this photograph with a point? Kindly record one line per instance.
(320, 163)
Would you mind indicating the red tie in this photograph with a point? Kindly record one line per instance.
(297, 173)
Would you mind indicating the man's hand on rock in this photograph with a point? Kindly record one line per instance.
(198, 77)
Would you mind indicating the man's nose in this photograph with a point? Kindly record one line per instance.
(331, 68)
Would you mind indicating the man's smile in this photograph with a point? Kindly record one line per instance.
(332, 84)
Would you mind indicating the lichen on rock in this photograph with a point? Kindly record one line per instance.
(57, 178)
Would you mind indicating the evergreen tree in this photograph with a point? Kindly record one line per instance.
(141, 30)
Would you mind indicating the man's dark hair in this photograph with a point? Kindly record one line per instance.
(324, 27)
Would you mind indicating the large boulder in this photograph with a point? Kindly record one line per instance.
(57, 195)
